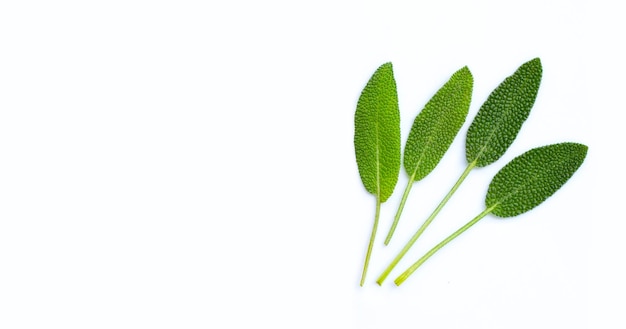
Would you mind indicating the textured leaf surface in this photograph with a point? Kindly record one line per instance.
(377, 133)
(532, 177)
(501, 116)
(437, 124)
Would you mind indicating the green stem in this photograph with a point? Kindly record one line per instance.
(371, 244)
(400, 208)
(458, 232)
(432, 216)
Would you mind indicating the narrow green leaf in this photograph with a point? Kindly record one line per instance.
(501, 117)
(377, 141)
(437, 124)
(520, 186)
(433, 131)
(377, 134)
(532, 177)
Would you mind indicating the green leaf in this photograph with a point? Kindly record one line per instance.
(521, 185)
(377, 134)
(377, 141)
(433, 131)
(500, 118)
(532, 177)
(437, 124)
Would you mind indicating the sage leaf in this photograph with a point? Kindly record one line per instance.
(531, 178)
(433, 131)
(521, 185)
(492, 131)
(500, 118)
(377, 141)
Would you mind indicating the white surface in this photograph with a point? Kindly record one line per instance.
(190, 165)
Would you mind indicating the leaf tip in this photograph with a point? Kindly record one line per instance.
(585, 148)
(386, 66)
(465, 73)
(535, 64)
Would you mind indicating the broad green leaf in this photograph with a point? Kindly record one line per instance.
(433, 130)
(521, 185)
(500, 118)
(377, 134)
(377, 141)
(532, 177)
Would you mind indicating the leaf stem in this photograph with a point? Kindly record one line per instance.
(398, 281)
(371, 244)
(400, 208)
(430, 218)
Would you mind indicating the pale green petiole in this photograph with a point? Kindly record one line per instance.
(400, 208)
(432, 216)
(371, 244)
(398, 281)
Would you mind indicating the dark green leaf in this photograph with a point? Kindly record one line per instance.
(501, 117)
(532, 177)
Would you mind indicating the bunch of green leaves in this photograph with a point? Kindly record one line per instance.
(493, 130)
(520, 186)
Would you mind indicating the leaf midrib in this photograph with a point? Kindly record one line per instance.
(378, 180)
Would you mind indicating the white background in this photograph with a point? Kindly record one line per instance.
(190, 164)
